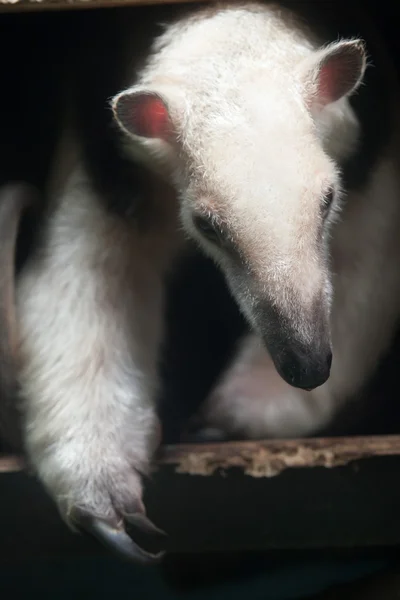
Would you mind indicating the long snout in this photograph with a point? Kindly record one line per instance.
(294, 327)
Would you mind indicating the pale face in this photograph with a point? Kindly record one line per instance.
(258, 187)
(262, 209)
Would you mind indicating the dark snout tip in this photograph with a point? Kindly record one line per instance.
(316, 378)
(306, 373)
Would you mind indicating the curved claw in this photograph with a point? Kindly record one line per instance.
(114, 537)
(143, 523)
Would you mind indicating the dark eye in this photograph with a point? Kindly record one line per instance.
(207, 229)
(327, 200)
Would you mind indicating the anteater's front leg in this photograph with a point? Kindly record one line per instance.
(90, 313)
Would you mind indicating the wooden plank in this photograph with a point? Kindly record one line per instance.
(51, 5)
(11, 464)
(269, 458)
(312, 494)
(261, 458)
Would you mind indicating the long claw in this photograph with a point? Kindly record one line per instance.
(114, 537)
(119, 541)
(143, 523)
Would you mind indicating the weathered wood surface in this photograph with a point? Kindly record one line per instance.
(261, 458)
(42, 5)
(311, 494)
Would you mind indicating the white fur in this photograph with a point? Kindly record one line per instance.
(252, 401)
(90, 320)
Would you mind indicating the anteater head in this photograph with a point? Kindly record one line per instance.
(253, 150)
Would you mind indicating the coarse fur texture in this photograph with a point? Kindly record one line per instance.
(251, 131)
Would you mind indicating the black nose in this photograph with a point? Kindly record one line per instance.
(305, 370)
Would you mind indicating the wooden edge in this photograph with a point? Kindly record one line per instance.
(7, 6)
(261, 458)
(11, 464)
(270, 458)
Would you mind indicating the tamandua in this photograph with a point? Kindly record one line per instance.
(242, 115)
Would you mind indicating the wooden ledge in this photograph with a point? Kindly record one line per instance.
(278, 495)
(260, 458)
(51, 5)
(269, 458)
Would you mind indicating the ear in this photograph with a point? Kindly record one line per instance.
(337, 71)
(144, 114)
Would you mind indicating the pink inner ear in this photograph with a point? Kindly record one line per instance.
(338, 74)
(145, 115)
(329, 81)
(151, 117)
